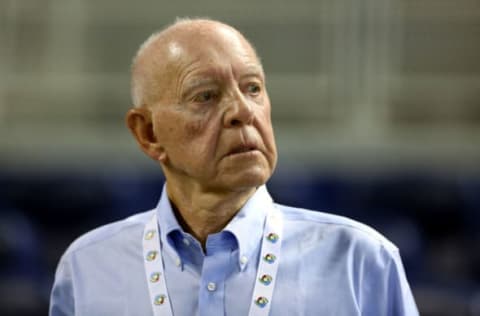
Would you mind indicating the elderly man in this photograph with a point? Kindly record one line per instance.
(216, 244)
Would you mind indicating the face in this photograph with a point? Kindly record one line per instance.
(211, 121)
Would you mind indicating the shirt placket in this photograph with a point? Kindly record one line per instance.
(212, 283)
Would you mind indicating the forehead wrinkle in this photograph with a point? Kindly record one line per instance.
(155, 51)
(174, 45)
(188, 69)
(252, 70)
(210, 72)
(197, 81)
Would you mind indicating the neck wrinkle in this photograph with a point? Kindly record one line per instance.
(204, 213)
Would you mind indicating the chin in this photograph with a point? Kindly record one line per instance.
(240, 174)
(247, 179)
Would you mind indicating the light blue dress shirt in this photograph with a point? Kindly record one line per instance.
(329, 265)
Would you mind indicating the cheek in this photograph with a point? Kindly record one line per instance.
(264, 118)
(176, 127)
(194, 128)
(193, 133)
(266, 128)
(265, 110)
(202, 126)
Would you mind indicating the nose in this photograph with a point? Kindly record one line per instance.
(239, 111)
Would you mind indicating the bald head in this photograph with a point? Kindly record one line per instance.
(154, 64)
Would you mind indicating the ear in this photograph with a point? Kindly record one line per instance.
(139, 121)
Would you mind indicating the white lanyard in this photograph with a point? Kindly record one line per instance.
(266, 272)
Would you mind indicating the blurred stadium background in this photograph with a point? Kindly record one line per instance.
(376, 107)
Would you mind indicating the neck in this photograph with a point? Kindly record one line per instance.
(202, 213)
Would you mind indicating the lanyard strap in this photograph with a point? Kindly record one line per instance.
(266, 271)
(154, 272)
(267, 265)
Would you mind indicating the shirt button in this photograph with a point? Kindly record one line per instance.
(186, 242)
(149, 235)
(211, 286)
(243, 259)
(178, 262)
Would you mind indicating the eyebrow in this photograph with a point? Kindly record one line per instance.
(194, 83)
(253, 71)
(205, 78)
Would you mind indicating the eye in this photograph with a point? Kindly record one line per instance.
(253, 88)
(205, 96)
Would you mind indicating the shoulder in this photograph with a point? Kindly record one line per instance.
(340, 228)
(111, 234)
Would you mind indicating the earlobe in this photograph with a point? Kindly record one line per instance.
(139, 121)
(162, 157)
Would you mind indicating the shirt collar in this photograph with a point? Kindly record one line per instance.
(168, 223)
(247, 225)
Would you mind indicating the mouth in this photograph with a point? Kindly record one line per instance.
(242, 149)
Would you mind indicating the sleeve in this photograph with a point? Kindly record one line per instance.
(62, 302)
(400, 301)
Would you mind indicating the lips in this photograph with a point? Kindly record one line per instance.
(242, 148)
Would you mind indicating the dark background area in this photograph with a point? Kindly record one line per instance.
(433, 219)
